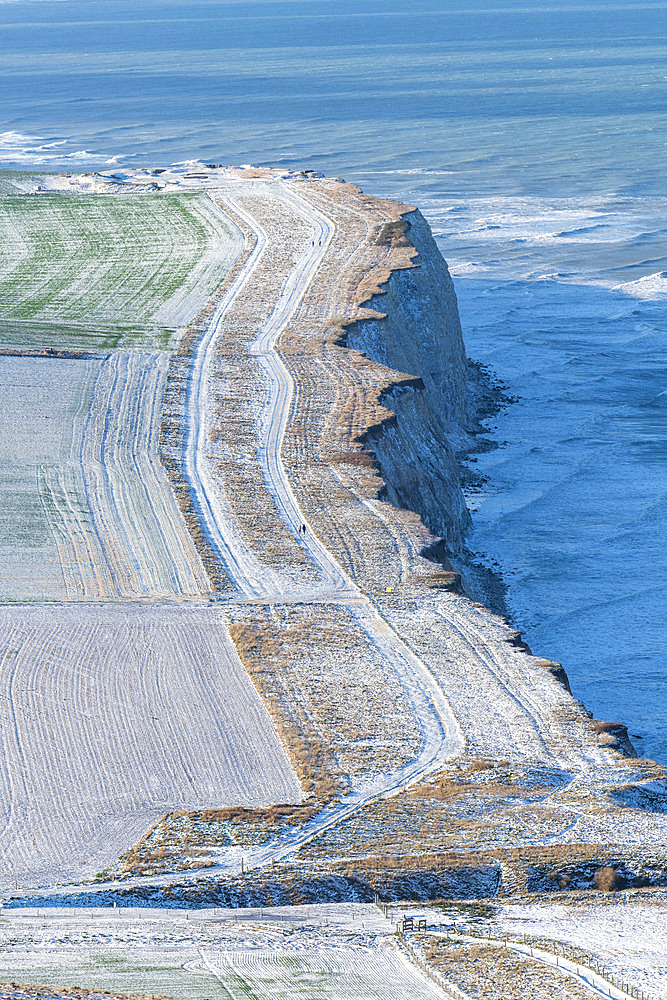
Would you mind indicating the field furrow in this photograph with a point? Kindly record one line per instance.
(147, 546)
(109, 718)
(86, 510)
(322, 974)
(103, 270)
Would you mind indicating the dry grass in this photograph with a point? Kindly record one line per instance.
(341, 391)
(182, 841)
(22, 991)
(479, 804)
(364, 458)
(292, 655)
(394, 234)
(238, 386)
(486, 973)
(607, 879)
(261, 651)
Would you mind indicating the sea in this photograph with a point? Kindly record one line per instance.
(532, 136)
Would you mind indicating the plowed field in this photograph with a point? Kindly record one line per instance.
(111, 716)
(85, 507)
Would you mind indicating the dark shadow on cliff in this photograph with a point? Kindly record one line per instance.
(488, 397)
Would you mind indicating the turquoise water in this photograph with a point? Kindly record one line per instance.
(532, 136)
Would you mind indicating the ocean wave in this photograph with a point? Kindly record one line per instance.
(583, 230)
(417, 171)
(652, 286)
(650, 234)
(32, 150)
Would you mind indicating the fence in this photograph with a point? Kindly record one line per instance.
(429, 971)
(577, 961)
(576, 958)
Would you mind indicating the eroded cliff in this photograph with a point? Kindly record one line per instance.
(417, 330)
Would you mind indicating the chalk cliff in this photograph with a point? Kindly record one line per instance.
(418, 332)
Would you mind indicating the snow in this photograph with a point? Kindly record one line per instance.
(329, 952)
(79, 270)
(86, 510)
(442, 739)
(114, 715)
(626, 932)
(39, 399)
(468, 688)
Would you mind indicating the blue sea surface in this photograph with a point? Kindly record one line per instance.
(532, 135)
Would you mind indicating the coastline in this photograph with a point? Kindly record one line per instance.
(486, 395)
(372, 419)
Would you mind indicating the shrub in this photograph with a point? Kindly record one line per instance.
(607, 879)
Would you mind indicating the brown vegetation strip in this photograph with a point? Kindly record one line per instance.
(486, 973)
(313, 760)
(21, 991)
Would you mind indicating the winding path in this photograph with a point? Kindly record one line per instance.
(442, 736)
(592, 980)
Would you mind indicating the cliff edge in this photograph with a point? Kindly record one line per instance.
(418, 330)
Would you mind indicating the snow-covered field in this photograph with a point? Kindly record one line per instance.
(626, 933)
(319, 952)
(82, 271)
(86, 511)
(431, 717)
(113, 715)
(346, 973)
(39, 400)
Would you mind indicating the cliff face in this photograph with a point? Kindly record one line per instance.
(419, 333)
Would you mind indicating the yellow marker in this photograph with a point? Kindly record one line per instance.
(389, 590)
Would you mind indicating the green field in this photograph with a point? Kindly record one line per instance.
(108, 270)
(97, 969)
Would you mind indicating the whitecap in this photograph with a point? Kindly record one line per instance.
(32, 150)
(652, 286)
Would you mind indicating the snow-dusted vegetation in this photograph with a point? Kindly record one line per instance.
(82, 270)
(39, 400)
(320, 974)
(113, 715)
(85, 506)
(437, 757)
(322, 952)
(626, 933)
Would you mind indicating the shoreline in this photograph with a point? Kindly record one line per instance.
(372, 419)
